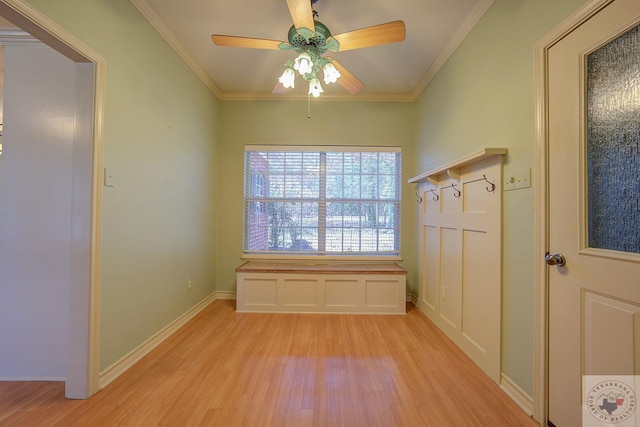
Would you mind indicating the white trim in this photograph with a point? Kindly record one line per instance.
(325, 148)
(32, 379)
(152, 17)
(225, 295)
(359, 97)
(96, 225)
(25, 16)
(522, 399)
(541, 350)
(457, 164)
(462, 33)
(343, 259)
(126, 362)
(40, 26)
(510, 388)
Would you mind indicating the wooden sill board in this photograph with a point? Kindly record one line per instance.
(320, 268)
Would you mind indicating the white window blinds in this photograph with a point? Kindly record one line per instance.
(327, 200)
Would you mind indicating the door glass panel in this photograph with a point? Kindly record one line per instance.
(613, 145)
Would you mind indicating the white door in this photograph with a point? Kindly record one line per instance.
(594, 219)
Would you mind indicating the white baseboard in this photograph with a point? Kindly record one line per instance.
(31, 379)
(114, 371)
(511, 389)
(518, 395)
(225, 295)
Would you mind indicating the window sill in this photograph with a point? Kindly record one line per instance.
(320, 268)
(325, 259)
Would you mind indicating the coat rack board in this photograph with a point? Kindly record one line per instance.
(453, 169)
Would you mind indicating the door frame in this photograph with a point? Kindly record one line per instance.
(84, 313)
(541, 194)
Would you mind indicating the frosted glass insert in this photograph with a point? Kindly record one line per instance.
(613, 145)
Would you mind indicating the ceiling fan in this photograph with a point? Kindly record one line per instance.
(311, 39)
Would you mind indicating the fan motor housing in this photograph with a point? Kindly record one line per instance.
(318, 38)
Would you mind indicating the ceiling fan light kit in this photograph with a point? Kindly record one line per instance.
(308, 64)
(303, 64)
(311, 39)
(288, 78)
(331, 73)
(315, 88)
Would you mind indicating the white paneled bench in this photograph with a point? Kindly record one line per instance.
(274, 287)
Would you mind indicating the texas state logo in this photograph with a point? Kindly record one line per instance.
(611, 401)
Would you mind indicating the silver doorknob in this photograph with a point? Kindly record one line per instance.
(555, 259)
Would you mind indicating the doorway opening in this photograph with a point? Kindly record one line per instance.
(80, 131)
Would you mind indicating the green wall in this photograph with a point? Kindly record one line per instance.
(484, 97)
(286, 123)
(167, 138)
(160, 145)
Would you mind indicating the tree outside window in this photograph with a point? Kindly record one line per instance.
(325, 201)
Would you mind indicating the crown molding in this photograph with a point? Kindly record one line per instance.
(476, 14)
(152, 17)
(362, 97)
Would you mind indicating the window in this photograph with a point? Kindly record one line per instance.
(328, 200)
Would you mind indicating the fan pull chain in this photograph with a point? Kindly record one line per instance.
(308, 106)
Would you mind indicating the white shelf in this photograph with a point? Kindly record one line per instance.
(453, 169)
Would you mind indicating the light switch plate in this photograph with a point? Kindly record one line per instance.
(518, 180)
(108, 178)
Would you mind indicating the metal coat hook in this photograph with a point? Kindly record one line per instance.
(484, 178)
(457, 192)
(419, 199)
(435, 196)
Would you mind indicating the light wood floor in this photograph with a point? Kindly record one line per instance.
(228, 369)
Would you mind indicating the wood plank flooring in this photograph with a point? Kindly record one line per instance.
(229, 369)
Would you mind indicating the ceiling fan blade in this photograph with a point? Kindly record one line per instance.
(301, 13)
(233, 41)
(347, 80)
(279, 89)
(391, 32)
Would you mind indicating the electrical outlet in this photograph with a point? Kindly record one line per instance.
(443, 292)
(189, 284)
